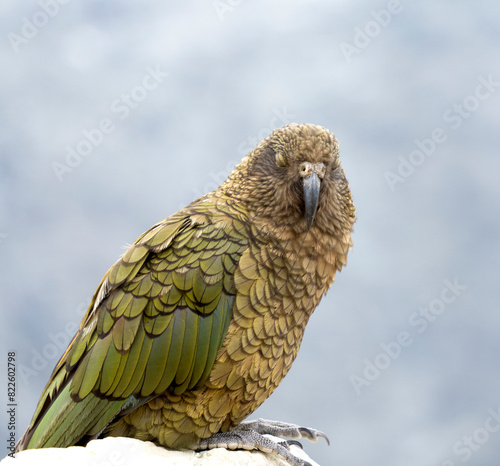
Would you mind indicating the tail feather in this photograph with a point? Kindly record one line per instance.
(67, 422)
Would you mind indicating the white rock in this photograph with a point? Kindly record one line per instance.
(121, 451)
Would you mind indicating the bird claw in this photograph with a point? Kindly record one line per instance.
(282, 429)
(289, 443)
(251, 440)
(313, 435)
(250, 435)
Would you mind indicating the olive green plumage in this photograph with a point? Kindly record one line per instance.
(201, 318)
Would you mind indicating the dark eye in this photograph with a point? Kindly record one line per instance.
(280, 159)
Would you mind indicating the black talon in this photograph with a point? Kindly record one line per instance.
(294, 442)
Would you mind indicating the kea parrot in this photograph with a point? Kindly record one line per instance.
(201, 318)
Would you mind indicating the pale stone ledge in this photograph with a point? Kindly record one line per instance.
(118, 451)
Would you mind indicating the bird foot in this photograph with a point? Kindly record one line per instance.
(249, 435)
(282, 429)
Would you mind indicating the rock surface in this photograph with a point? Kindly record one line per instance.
(120, 451)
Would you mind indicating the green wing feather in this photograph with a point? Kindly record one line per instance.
(155, 324)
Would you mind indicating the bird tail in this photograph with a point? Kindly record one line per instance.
(67, 422)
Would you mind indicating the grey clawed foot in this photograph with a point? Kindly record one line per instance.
(282, 429)
(250, 440)
(250, 435)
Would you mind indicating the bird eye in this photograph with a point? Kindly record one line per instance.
(280, 159)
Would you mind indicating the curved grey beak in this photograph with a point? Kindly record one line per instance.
(311, 186)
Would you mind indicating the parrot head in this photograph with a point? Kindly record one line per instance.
(294, 177)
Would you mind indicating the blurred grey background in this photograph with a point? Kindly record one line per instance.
(115, 114)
